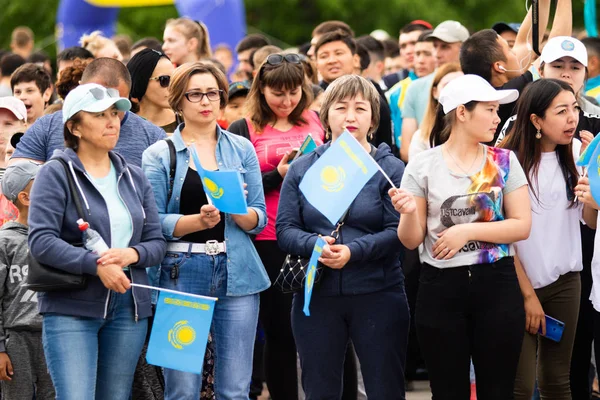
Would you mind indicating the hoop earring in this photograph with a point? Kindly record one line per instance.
(538, 135)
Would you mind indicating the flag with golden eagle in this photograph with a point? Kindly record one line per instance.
(332, 183)
(224, 189)
(180, 331)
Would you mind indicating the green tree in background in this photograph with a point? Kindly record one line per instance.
(288, 22)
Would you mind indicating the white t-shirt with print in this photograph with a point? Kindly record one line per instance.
(459, 199)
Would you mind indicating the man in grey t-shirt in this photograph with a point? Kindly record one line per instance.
(47, 134)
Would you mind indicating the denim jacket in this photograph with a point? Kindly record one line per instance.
(245, 271)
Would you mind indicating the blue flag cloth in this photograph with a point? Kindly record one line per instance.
(585, 157)
(224, 189)
(308, 146)
(310, 274)
(589, 18)
(332, 183)
(593, 172)
(180, 331)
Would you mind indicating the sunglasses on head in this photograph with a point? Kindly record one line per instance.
(164, 80)
(276, 59)
(99, 94)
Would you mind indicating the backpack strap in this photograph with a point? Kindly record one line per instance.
(172, 167)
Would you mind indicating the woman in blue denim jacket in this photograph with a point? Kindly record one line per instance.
(210, 252)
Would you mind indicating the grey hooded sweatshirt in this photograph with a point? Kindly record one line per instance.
(19, 305)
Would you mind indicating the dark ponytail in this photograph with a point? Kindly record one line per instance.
(442, 127)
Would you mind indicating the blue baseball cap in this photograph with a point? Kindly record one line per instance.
(506, 26)
(92, 97)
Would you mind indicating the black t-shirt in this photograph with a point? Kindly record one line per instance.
(509, 109)
(193, 197)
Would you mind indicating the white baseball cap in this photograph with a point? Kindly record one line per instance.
(564, 46)
(15, 106)
(92, 97)
(469, 88)
(450, 32)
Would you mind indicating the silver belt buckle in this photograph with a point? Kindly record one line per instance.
(211, 248)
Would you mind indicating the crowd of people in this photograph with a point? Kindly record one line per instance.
(486, 236)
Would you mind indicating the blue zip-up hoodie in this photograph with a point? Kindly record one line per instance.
(52, 227)
(370, 229)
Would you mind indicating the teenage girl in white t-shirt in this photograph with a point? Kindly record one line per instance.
(549, 261)
(467, 203)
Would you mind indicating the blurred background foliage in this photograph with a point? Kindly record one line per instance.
(287, 22)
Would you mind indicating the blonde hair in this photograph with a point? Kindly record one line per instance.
(193, 29)
(94, 42)
(181, 79)
(432, 104)
(350, 86)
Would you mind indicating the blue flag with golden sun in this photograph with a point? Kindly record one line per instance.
(180, 331)
(224, 189)
(332, 183)
(310, 274)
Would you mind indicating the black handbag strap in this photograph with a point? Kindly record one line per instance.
(172, 167)
(73, 189)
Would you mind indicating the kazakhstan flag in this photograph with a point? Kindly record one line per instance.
(338, 176)
(180, 331)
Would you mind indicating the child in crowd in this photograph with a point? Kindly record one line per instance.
(23, 371)
(32, 85)
(234, 110)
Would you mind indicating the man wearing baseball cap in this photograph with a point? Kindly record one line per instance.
(447, 38)
(234, 110)
(13, 119)
(508, 31)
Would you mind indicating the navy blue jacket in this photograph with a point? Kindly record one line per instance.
(52, 227)
(370, 230)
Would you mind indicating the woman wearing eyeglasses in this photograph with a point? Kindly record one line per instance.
(278, 122)
(151, 72)
(210, 252)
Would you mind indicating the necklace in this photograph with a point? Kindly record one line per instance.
(458, 165)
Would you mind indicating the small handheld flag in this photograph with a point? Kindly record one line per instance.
(224, 189)
(332, 183)
(310, 274)
(307, 146)
(180, 330)
(585, 157)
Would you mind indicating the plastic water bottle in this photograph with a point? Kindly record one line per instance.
(92, 239)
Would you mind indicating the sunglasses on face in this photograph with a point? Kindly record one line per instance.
(196, 97)
(276, 59)
(164, 80)
(100, 94)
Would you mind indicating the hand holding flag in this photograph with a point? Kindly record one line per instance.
(332, 183)
(224, 189)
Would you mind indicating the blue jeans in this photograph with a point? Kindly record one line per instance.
(233, 328)
(94, 358)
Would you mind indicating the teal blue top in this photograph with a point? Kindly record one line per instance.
(121, 226)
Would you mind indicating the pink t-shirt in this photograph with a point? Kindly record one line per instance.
(270, 145)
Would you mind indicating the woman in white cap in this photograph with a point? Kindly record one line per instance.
(550, 260)
(93, 336)
(565, 58)
(467, 203)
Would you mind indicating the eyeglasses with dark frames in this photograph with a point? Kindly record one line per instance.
(197, 96)
(164, 80)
